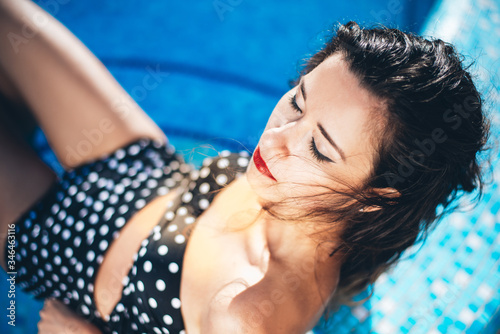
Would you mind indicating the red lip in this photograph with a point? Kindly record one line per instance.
(261, 164)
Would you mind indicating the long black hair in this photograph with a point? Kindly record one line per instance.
(427, 147)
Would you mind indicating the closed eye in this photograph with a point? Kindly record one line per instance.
(317, 154)
(293, 103)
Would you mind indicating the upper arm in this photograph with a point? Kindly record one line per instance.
(288, 299)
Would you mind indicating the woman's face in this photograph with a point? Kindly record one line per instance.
(318, 135)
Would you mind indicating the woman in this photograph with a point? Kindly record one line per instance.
(368, 149)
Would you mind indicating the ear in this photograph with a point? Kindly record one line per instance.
(387, 192)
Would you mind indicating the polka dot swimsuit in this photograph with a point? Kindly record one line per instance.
(62, 239)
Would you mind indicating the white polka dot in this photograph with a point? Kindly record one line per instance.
(77, 241)
(108, 213)
(140, 203)
(79, 267)
(55, 208)
(85, 309)
(189, 220)
(140, 286)
(87, 299)
(148, 266)
(157, 330)
(204, 172)
(103, 245)
(172, 227)
(98, 206)
(103, 195)
(65, 270)
(122, 168)
(152, 302)
(242, 162)
(49, 222)
(104, 230)
(68, 252)
(83, 212)
(123, 208)
(160, 285)
(187, 197)
(119, 222)
(93, 177)
(66, 202)
(94, 218)
(203, 203)
(176, 303)
(36, 231)
(90, 271)
(179, 238)
(167, 319)
(101, 183)
(173, 267)
(80, 197)
(207, 161)
(85, 186)
(90, 235)
(162, 250)
(204, 188)
(44, 253)
(69, 221)
(79, 226)
(222, 163)
(34, 259)
(66, 234)
(72, 190)
(113, 199)
(120, 307)
(119, 189)
(156, 236)
(182, 211)
(134, 149)
(169, 215)
(129, 195)
(90, 255)
(221, 179)
(56, 228)
(80, 283)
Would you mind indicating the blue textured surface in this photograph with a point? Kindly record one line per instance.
(223, 74)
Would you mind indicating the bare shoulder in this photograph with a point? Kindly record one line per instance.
(290, 297)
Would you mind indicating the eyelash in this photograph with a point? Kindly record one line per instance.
(317, 154)
(293, 103)
(312, 146)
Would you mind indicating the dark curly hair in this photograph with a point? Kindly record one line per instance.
(428, 149)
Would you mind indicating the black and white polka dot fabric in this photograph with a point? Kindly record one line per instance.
(62, 239)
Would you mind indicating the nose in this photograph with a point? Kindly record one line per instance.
(284, 139)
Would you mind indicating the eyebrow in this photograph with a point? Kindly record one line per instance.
(321, 128)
